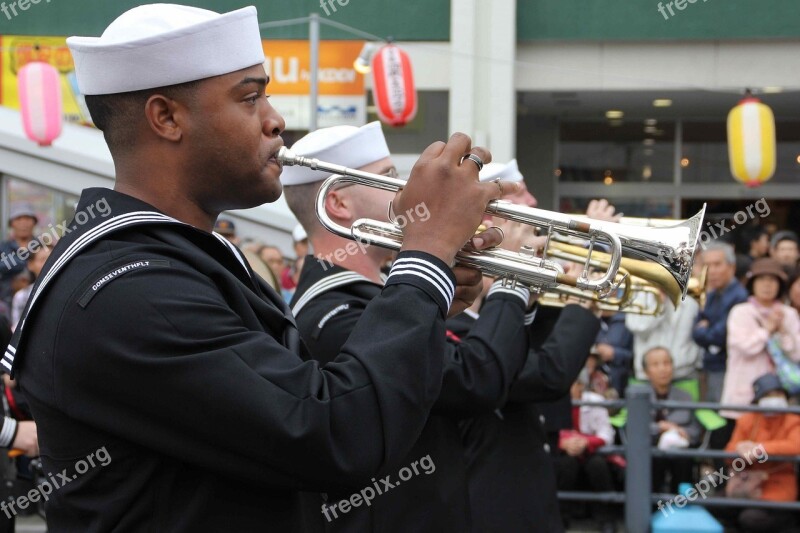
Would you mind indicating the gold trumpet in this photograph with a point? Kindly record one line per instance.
(671, 247)
(651, 305)
(642, 277)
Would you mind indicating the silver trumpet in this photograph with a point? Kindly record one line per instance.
(672, 247)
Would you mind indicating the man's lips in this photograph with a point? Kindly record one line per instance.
(273, 155)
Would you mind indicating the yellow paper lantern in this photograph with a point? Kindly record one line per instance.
(751, 142)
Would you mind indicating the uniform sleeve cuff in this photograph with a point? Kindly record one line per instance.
(520, 291)
(8, 432)
(531, 315)
(426, 272)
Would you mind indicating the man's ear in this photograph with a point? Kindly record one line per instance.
(339, 206)
(165, 117)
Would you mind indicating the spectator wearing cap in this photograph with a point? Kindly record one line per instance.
(23, 220)
(226, 228)
(751, 325)
(785, 250)
(758, 436)
(711, 328)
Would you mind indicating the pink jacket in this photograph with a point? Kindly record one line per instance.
(748, 358)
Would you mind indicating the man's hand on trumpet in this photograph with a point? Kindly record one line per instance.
(469, 286)
(445, 180)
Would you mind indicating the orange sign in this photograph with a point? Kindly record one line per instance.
(288, 64)
(341, 89)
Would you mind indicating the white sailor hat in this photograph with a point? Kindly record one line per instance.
(299, 233)
(343, 145)
(157, 45)
(506, 172)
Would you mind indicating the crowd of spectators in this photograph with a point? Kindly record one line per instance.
(719, 348)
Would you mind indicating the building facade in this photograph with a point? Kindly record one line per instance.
(539, 79)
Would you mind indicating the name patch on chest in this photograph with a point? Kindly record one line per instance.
(115, 273)
(330, 314)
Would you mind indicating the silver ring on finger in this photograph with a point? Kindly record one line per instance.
(475, 159)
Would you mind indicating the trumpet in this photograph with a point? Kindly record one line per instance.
(640, 277)
(649, 305)
(671, 247)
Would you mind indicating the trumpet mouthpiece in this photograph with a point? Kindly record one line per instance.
(286, 157)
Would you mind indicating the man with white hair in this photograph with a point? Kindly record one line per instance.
(169, 384)
(711, 327)
(335, 290)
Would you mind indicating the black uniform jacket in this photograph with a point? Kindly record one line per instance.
(478, 372)
(153, 342)
(511, 478)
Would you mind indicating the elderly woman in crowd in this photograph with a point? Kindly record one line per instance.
(757, 437)
(750, 327)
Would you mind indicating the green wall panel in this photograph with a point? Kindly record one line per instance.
(641, 20)
(411, 20)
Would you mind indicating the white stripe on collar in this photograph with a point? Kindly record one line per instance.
(234, 249)
(110, 225)
(326, 284)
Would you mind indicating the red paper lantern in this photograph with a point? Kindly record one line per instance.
(40, 102)
(393, 86)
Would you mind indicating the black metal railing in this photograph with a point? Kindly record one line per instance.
(639, 452)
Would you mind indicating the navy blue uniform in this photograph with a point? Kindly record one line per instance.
(155, 341)
(479, 370)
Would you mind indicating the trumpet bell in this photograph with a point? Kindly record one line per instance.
(673, 247)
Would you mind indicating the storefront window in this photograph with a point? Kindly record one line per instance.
(632, 152)
(704, 157)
